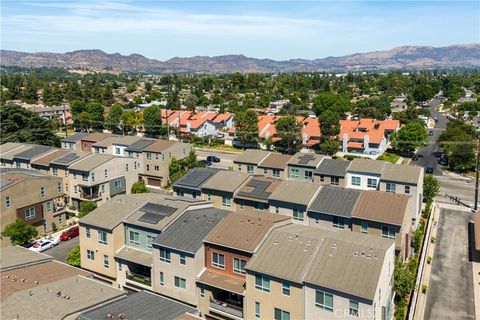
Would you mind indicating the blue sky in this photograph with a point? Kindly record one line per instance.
(261, 29)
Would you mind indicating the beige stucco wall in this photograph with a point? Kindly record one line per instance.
(216, 199)
(273, 299)
(192, 268)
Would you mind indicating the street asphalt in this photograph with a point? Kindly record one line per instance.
(60, 251)
(450, 290)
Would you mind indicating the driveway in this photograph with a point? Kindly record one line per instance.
(60, 252)
(450, 290)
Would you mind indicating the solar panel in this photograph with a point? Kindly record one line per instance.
(195, 178)
(258, 188)
(158, 209)
(305, 159)
(67, 158)
(32, 152)
(150, 217)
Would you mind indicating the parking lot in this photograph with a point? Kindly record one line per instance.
(450, 290)
(60, 251)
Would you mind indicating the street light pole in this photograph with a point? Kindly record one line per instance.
(475, 204)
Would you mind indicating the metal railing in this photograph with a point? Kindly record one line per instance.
(226, 307)
(140, 278)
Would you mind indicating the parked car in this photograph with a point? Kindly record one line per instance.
(430, 132)
(44, 244)
(443, 161)
(219, 136)
(70, 233)
(429, 170)
(435, 119)
(213, 159)
(415, 157)
(438, 154)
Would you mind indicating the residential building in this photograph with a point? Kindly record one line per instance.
(248, 161)
(332, 208)
(73, 142)
(190, 185)
(35, 198)
(156, 158)
(323, 275)
(200, 124)
(332, 172)
(274, 165)
(42, 164)
(141, 305)
(98, 177)
(220, 188)
(364, 174)
(179, 254)
(30, 280)
(23, 159)
(87, 141)
(476, 236)
(115, 145)
(302, 166)
(9, 150)
(135, 149)
(228, 247)
(59, 168)
(292, 198)
(254, 194)
(387, 215)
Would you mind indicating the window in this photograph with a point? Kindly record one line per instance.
(84, 177)
(262, 282)
(75, 176)
(276, 173)
(149, 156)
(279, 314)
(364, 226)
(407, 189)
(55, 171)
(119, 266)
(322, 178)
(30, 213)
(294, 173)
(249, 168)
(59, 187)
(353, 308)
(391, 187)
(60, 219)
(355, 181)
(87, 232)
(259, 206)
(42, 192)
(180, 282)
(218, 260)
(257, 309)
(8, 201)
(157, 168)
(240, 203)
(149, 241)
(239, 265)
(117, 150)
(148, 167)
(265, 171)
(162, 279)
(308, 175)
(324, 300)
(105, 173)
(106, 263)
(388, 232)
(75, 189)
(334, 181)
(49, 206)
(126, 167)
(209, 197)
(93, 176)
(165, 255)
(90, 255)
(183, 259)
(134, 237)
(104, 188)
(202, 290)
(102, 237)
(372, 183)
(338, 222)
(239, 167)
(277, 209)
(286, 287)
(298, 215)
(118, 184)
(226, 201)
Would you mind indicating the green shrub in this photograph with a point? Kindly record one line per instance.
(424, 288)
(429, 260)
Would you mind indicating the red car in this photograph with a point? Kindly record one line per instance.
(70, 233)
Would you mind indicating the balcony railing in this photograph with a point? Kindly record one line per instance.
(140, 278)
(90, 196)
(226, 307)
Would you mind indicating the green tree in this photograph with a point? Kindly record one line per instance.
(107, 95)
(246, 127)
(139, 187)
(175, 170)
(73, 257)
(20, 232)
(329, 123)
(190, 161)
(95, 110)
(132, 120)
(329, 146)
(152, 120)
(191, 102)
(290, 132)
(430, 187)
(21, 125)
(411, 136)
(330, 101)
(86, 207)
(83, 120)
(114, 117)
(77, 107)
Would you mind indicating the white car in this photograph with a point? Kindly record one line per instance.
(44, 244)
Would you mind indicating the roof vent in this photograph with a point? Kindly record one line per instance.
(356, 254)
(290, 238)
(275, 242)
(308, 243)
(334, 246)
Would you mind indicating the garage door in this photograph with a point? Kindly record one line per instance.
(154, 182)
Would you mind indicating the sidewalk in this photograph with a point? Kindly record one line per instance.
(476, 288)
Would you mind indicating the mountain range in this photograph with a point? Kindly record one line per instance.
(400, 58)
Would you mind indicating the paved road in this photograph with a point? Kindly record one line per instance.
(60, 252)
(450, 290)
(226, 158)
(464, 189)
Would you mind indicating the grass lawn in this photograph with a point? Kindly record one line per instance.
(390, 157)
(220, 147)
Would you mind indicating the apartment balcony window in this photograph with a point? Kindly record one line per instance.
(308, 175)
(218, 260)
(227, 303)
(239, 265)
(139, 277)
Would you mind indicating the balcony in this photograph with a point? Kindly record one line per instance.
(139, 278)
(227, 309)
(88, 196)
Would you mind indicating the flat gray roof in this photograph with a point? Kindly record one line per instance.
(226, 181)
(309, 160)
(333, 167)
(251, 156)
(75, 137)
(297, 192)
(335, 201)
(18, 257)
(91, 162)
(402, 173)
(195, 178)
(366, 166)
(9, 155)
(139, 145)
(187, 233)
(140, 305)
(33, 152)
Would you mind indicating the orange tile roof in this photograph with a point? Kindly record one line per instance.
(355, 145)
(222, 117)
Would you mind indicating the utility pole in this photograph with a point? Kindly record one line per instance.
(475, 203)
(65, 120)
(168, 125)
